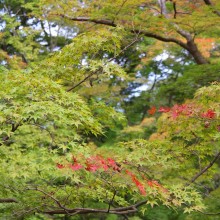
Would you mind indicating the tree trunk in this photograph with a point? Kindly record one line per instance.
(197, 55)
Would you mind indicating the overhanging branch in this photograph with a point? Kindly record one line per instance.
(161, 38)
(87, 19)
(189, 45)
(67, 211)
(112, 24)
(8, 200)
(117, 211)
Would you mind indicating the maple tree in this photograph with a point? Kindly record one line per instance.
(151, 19)
(60, 96)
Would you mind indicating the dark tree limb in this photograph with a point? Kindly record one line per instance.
(112, 24)
(87, 19)
(67, 211)
(110, 203)
(190, 46)
(14, 127)
(174, 9)
(117, 211)
(117, 13)
(217, 156)
(8, 200)
(204, 213)
(161, 38)
(209, 3)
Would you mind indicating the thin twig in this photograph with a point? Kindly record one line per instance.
(217, 156)
(117, 13)
(110, 203)
(101, 68)
(66, 210)
(204, 213)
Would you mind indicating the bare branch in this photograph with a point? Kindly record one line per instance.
(110, 203)
(66, 210)
(217, 156)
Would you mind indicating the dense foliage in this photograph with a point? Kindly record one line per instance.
(109, 109)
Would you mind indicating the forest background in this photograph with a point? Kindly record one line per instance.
(110, 109)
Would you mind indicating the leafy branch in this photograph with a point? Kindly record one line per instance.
(189, 45)
(101, 67)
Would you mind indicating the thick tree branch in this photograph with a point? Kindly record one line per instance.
(174, 9)
(112, 24)
(8, 200)
(117, 211)
(14, 127)
(198, 57)
(163, 10)
(87, 19)
(64, 210)
(208, 2)
(190, 46)
(161, 38)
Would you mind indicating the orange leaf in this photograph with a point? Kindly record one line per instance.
(152, 110)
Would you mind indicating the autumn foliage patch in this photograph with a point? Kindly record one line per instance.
(99, 163)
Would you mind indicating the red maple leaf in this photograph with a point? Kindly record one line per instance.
(91, 167)
(137, 182)
(183, 109)
(60, 166)
(76, 166)
(164, 109)
(111, 163)
(152, 110)
(94, 163)
(149, 182)
(209, 114)
(74, 159)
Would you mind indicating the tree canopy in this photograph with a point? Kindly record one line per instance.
(109, 109)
